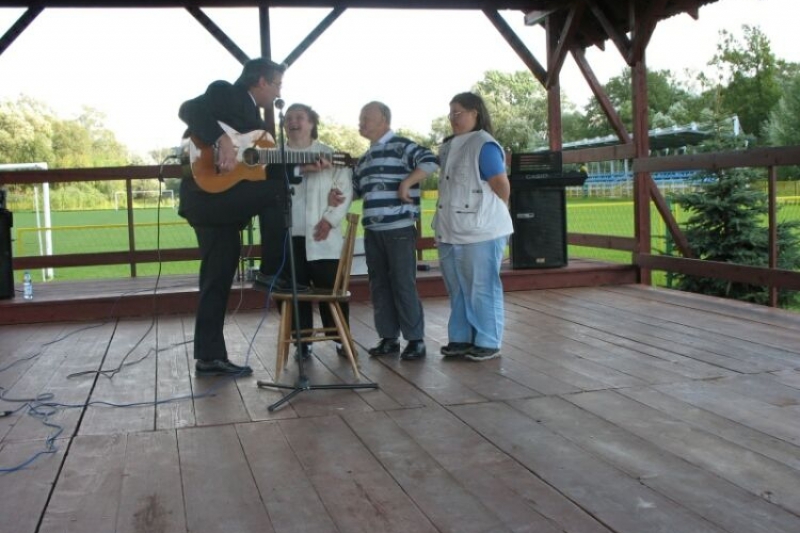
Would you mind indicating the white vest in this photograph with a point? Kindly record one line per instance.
(468, 210)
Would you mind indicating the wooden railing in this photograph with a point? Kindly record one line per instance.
(641, 251)
(769, 158)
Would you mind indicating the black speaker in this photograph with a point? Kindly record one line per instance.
(6, 270)
(540, 227)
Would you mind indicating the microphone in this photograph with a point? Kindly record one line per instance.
(279, 103)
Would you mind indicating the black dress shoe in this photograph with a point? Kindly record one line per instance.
(385, 347)
(414, 350)
(220, 367)
(264, 282)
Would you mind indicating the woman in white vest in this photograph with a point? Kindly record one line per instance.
(316, 226)
(472, 225)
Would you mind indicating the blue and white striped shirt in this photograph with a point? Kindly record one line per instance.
(377, 178)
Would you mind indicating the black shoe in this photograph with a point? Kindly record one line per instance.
(385, 347)
(414, 350)
(220, 367)
(263, 282)
(455, 349)
(477, 353)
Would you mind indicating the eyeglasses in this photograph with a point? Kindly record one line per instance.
(454, 115)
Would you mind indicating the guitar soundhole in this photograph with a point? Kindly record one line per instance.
(250, 157)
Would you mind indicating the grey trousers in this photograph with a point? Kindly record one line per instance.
(392, 268)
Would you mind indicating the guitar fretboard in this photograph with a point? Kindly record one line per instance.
(262, 156)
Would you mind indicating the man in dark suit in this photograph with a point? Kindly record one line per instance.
(218, 218)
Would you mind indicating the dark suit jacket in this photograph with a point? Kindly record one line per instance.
(225, 102)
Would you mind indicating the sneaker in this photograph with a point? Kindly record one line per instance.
(385, 347)
(477, 353)
(455, 349)
(220, 367)
(280, 284)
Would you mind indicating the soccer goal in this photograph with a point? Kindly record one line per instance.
(145, 199)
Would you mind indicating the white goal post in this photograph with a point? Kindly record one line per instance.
(144, 195)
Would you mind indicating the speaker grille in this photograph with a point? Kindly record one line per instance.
(540, 228)
(6, 270)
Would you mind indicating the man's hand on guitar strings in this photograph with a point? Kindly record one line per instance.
(226, 154)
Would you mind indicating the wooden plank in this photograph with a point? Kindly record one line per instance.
(731, 508)
(489, 380)
(549, 332)
(133, 344)
(769, 419)
(646, 362)
(151, 499)
(285, 487)
(758, 339)
(218, 487)
(78, 348)
(653, 336)
(357, 492)
(520, 499)
(731, 431)
(617, 500)
(680, 363)
(440, 497)
(87, 493)
(173, 373)
(788, 377)
(722, 306)
(697, 329)
(436, 384)
(759, 475)
(24, 493)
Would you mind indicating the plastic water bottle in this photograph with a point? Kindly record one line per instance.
(27, 286)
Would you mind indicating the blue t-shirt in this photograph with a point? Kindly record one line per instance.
(492, 161)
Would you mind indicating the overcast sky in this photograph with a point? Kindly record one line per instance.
(137, 66)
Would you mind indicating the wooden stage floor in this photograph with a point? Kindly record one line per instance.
(620, 409)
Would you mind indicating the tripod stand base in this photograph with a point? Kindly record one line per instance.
(303, 385)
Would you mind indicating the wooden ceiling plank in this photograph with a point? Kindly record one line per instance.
(314, 35)
(619, 39)
(18, 27)
(565, 42)
(517, 45)
(602, 98)
(645, 26)
(218, 34)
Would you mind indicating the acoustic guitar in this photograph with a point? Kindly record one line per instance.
(255, 150)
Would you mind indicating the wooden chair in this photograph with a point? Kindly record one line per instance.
(333, 298)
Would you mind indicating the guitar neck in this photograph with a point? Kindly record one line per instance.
(266, 157)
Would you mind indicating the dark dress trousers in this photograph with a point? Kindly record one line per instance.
(218, 218)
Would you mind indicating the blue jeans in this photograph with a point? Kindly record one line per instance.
(472, 276)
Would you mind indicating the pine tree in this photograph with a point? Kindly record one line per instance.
(727, 224)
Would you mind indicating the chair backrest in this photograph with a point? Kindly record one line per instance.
(342, 282)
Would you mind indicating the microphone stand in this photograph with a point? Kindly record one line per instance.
(302, 383)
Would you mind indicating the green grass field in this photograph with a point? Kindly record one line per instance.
(106, 230)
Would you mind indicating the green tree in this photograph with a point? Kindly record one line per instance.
(783, 126)
(517, 103)
(670, 103)
(749, 76)
(342, 138)
(26, 131)
(725, 224)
